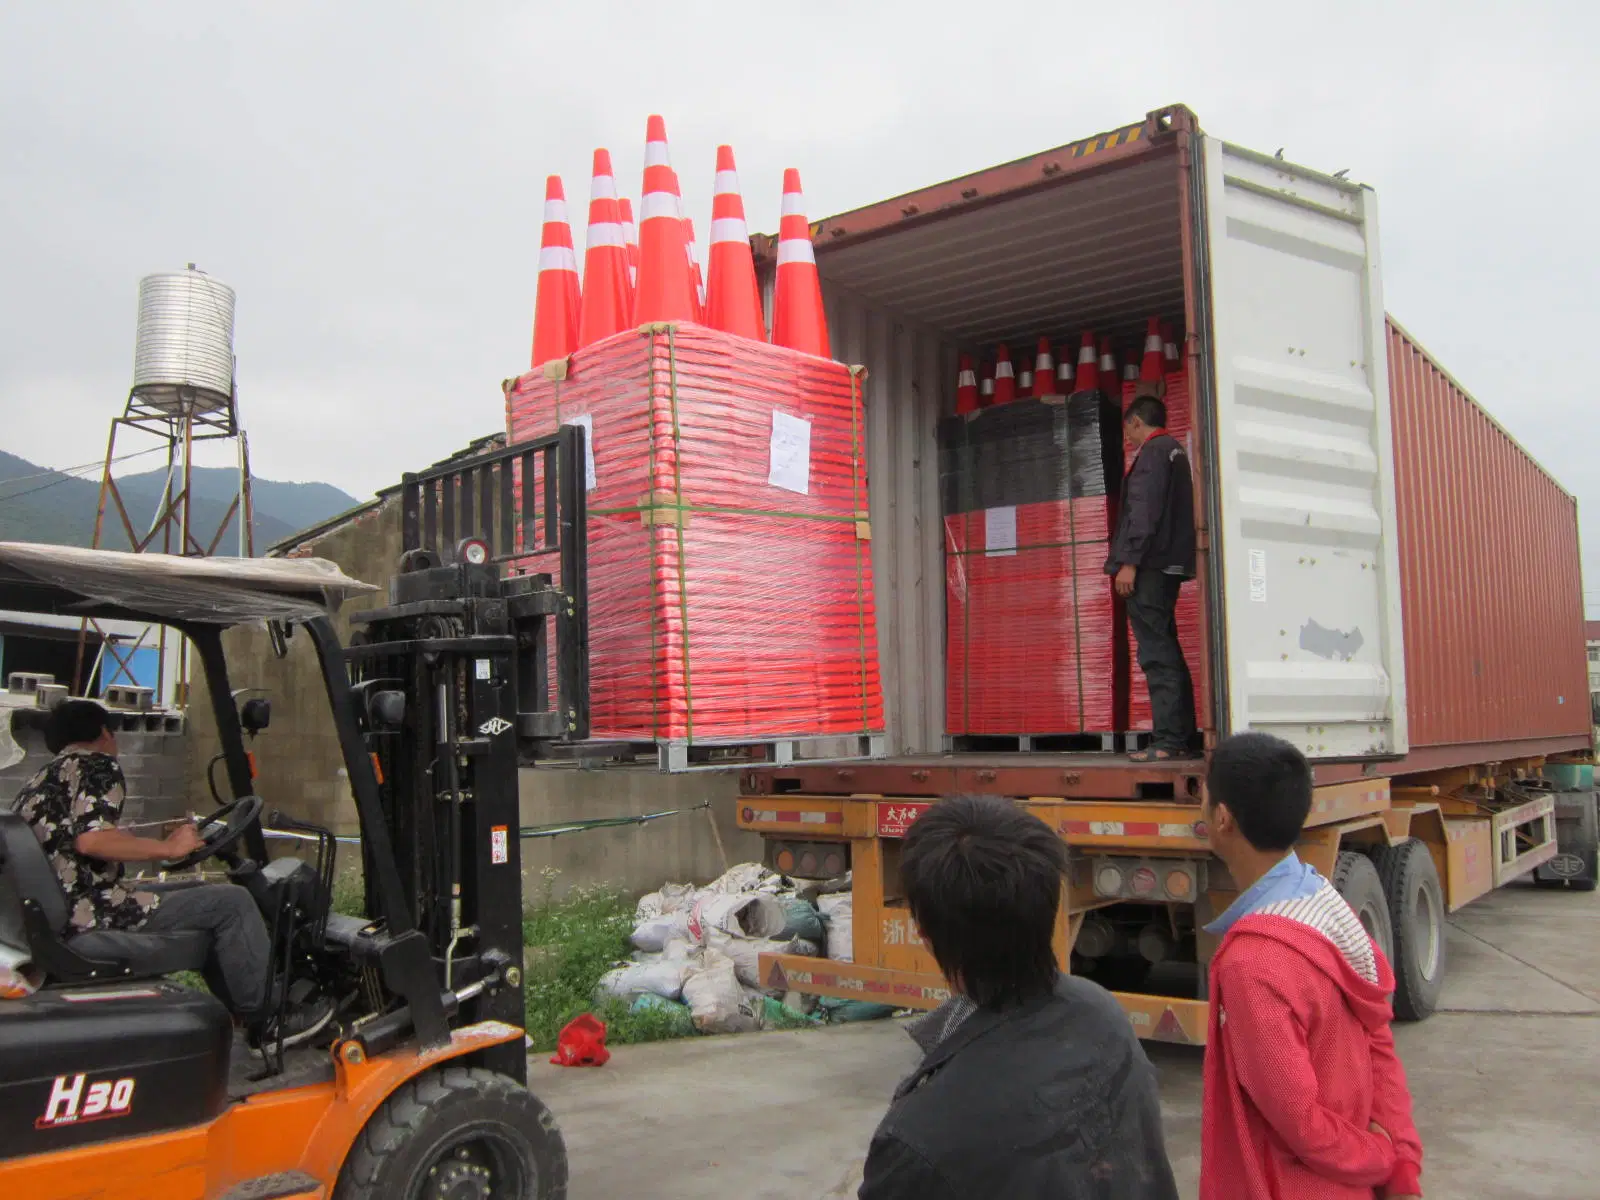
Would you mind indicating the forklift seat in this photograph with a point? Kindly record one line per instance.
(34, 913)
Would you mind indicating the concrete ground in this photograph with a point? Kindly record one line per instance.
(1506, 1079)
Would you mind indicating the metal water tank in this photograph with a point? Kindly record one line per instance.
(183, 354)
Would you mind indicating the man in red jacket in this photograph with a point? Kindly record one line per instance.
(1305, 1098)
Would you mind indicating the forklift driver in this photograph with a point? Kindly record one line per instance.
(73, 806)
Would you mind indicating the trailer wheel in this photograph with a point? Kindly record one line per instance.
(1416, 914)
(1356, 879)
(460, 1133)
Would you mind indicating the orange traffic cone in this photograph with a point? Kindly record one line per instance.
(1064, 371)
(1110, 380)
(630, 237)
(1088, 376)
(966, 386)
(1025, 381)
(798, 318)
(1154, 360)
(1005, 379)
(733, 300)
(666, 286)
(986, 386)
(694, 270)
(560, 297)
(1169, 347)
(606, 308)
(1044, 370)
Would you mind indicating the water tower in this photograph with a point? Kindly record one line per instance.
(183, 395)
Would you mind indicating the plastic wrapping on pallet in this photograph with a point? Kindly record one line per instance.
(1180, 426)
(1029, 492)
(730, 575)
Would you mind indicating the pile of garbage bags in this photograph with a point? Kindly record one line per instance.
(696, 951)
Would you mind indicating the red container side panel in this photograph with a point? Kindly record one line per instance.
(722, 606)
(1179, 425)
(1490, 571)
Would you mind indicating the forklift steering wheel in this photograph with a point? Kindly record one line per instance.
(221, 830)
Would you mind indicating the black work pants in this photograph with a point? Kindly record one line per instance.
(1152, 610)
(239, 965)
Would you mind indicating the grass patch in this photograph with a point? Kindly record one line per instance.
(571, 943)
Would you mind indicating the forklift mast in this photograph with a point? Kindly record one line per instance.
(475, 666)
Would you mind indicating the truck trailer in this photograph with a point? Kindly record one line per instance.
(1386, 579)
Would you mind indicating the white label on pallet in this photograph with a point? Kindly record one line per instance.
(1258, 576)
(586, 421)
(1000, 530)
(790, 467)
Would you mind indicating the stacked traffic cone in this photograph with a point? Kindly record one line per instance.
(607, 307)
(1025, 381)
(1064, 372)
(733, 300)
(1154, 361)
(1169, 347)
(694, 270)
(986, 386)
(1044, 370)
(966, 380)
(666, 286)
(560, 296)
(1088, 375)
(630, 237)
(1110, 380)
(798, 318)
(1130, 372)
(1005, 379)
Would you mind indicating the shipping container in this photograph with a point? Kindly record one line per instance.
(1337, 575)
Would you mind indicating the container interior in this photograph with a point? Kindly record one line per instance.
(1096, 250)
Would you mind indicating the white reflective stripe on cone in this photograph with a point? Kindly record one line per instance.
(1004, 370)
(604, 187)
(794, 204)
(795, 250)
(729, 229)
(654, 205)
(655, 155)
(558, 258)
(555, 210)
(966, 378)
(727, 183)
(606, 233)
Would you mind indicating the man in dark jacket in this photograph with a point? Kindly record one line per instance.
(1033, 1084)
(1152, 553)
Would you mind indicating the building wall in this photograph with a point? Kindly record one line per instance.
(300, 769)
(154, 762)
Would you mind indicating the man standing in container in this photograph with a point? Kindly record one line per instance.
(1152, 553)
(1305, 1098)
(1032, 1084)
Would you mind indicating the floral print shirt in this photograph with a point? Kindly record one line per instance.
(78, 792)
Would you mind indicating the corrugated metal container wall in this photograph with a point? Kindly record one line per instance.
(909, 370)
(1490, 570)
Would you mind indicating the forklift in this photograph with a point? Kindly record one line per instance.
(116, 1081)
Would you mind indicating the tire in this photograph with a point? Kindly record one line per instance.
(457, 1127)
(1356, 879)
(1416, 916)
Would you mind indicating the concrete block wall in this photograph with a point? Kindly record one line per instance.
(156, 764)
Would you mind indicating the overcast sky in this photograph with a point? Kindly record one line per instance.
(368, 176)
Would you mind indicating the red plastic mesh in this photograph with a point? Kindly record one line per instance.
(721, 607)
(1031, 645)
(1188, 610)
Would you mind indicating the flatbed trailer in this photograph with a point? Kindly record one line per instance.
(1138, 854)
(1384, 577)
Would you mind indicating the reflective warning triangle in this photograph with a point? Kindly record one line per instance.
(776, 979)
(1170, 1029)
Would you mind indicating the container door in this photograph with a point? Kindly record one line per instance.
(1306, 540)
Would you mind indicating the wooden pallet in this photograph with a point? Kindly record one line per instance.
(675, 757)
(1044, 743)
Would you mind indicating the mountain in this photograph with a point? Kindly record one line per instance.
(41, 505)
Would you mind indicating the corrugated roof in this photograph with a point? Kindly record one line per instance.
(1099, 252)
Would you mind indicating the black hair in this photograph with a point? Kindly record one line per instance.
(983, 879)
(1266, 784)
(1149, 410)
(72, 722)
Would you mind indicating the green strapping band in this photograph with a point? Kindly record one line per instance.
(683, 564)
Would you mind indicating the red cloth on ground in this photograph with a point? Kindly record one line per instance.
(1300, 1059)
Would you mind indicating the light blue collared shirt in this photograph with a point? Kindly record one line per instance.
(1290, 879)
